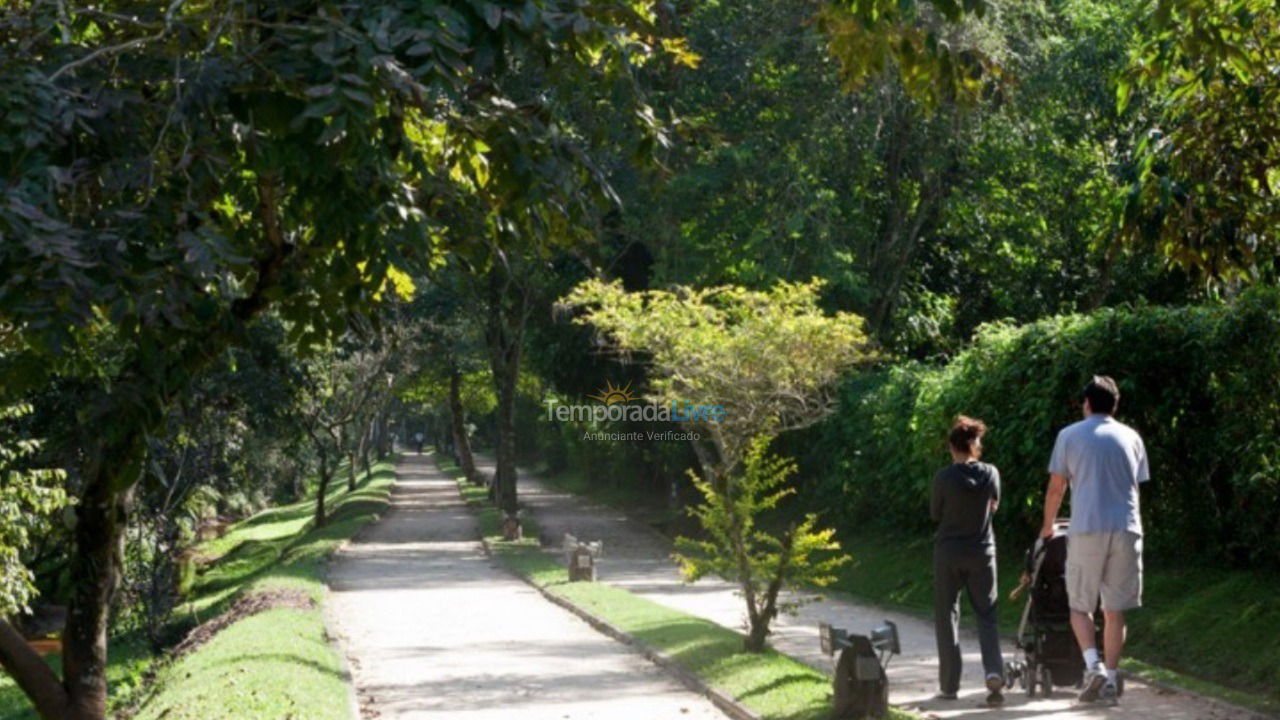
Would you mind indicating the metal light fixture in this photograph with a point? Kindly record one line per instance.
(832, 638)
(883, 638)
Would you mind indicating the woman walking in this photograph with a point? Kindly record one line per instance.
(966, 494)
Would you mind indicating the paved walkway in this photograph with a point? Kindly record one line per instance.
(638, 558)
(433, 629)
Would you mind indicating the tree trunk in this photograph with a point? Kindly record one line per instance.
(110, 473)
(321, 493)
(505, 472)
(757, 622)
(754, 641)
(508, 305)
(768, 609)
(461, 443)
(366, 439)
(1097, 296)
(381, 444)
(326, 475)
(346, 448)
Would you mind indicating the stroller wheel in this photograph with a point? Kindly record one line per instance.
(1030, 678)
(1014, 673)
(1046, 682)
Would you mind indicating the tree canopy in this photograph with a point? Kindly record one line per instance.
(244, 244)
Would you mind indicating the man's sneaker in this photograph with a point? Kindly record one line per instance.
(995, 684)
(1094, 679)
(1109, 694)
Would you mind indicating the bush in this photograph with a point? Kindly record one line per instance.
(1201, 384)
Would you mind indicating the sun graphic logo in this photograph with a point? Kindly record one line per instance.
(614, 394)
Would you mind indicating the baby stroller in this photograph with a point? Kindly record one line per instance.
(1051, 656)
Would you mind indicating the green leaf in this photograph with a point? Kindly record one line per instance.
(492, 15)
(1123, 90)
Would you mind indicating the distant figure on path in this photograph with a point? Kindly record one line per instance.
(1104, 461)
(418, 437)
(965, 496)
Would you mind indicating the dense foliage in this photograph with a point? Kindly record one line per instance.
(28, 495)
(174, 173)
(215, 214)
(1205, 187)
(1201, 384)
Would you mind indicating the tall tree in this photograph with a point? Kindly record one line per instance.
(171, 171)
(1205, 181)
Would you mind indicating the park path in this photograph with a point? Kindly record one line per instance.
(433, 629)
(638, 558)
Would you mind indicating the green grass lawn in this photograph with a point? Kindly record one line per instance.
(772, 684)
(274, 664)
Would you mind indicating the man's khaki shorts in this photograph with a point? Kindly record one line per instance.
(1107, 564)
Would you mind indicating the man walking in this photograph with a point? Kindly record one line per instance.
(1103, 461)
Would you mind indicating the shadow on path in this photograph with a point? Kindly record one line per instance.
(638, 559)
(433, 629)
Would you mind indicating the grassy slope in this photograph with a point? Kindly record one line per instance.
(770, 683)
(276, 664)
(1202, 629)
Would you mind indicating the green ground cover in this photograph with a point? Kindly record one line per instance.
(273, 664)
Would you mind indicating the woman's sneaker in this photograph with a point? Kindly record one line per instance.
(995, 686)
(1094, 680)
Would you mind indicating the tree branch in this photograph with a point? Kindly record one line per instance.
(113, 49)
(32, 673)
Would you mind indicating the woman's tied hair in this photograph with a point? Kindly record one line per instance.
(965, 431)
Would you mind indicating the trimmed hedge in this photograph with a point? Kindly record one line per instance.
(1201, 384)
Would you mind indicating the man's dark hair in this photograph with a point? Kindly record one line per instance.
(1103, 394)
(964, 432)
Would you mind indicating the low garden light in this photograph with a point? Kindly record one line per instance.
(581, 557)
(860, 683)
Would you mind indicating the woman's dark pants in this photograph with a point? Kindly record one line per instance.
(971, 569)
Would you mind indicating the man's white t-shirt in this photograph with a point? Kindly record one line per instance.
(1104, 460)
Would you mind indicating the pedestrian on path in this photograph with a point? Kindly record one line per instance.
(966, 494)
(1104, 461)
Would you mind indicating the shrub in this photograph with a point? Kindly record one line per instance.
(1200, 383)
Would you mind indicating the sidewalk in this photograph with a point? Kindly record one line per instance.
(432, 629)
(638, 559)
